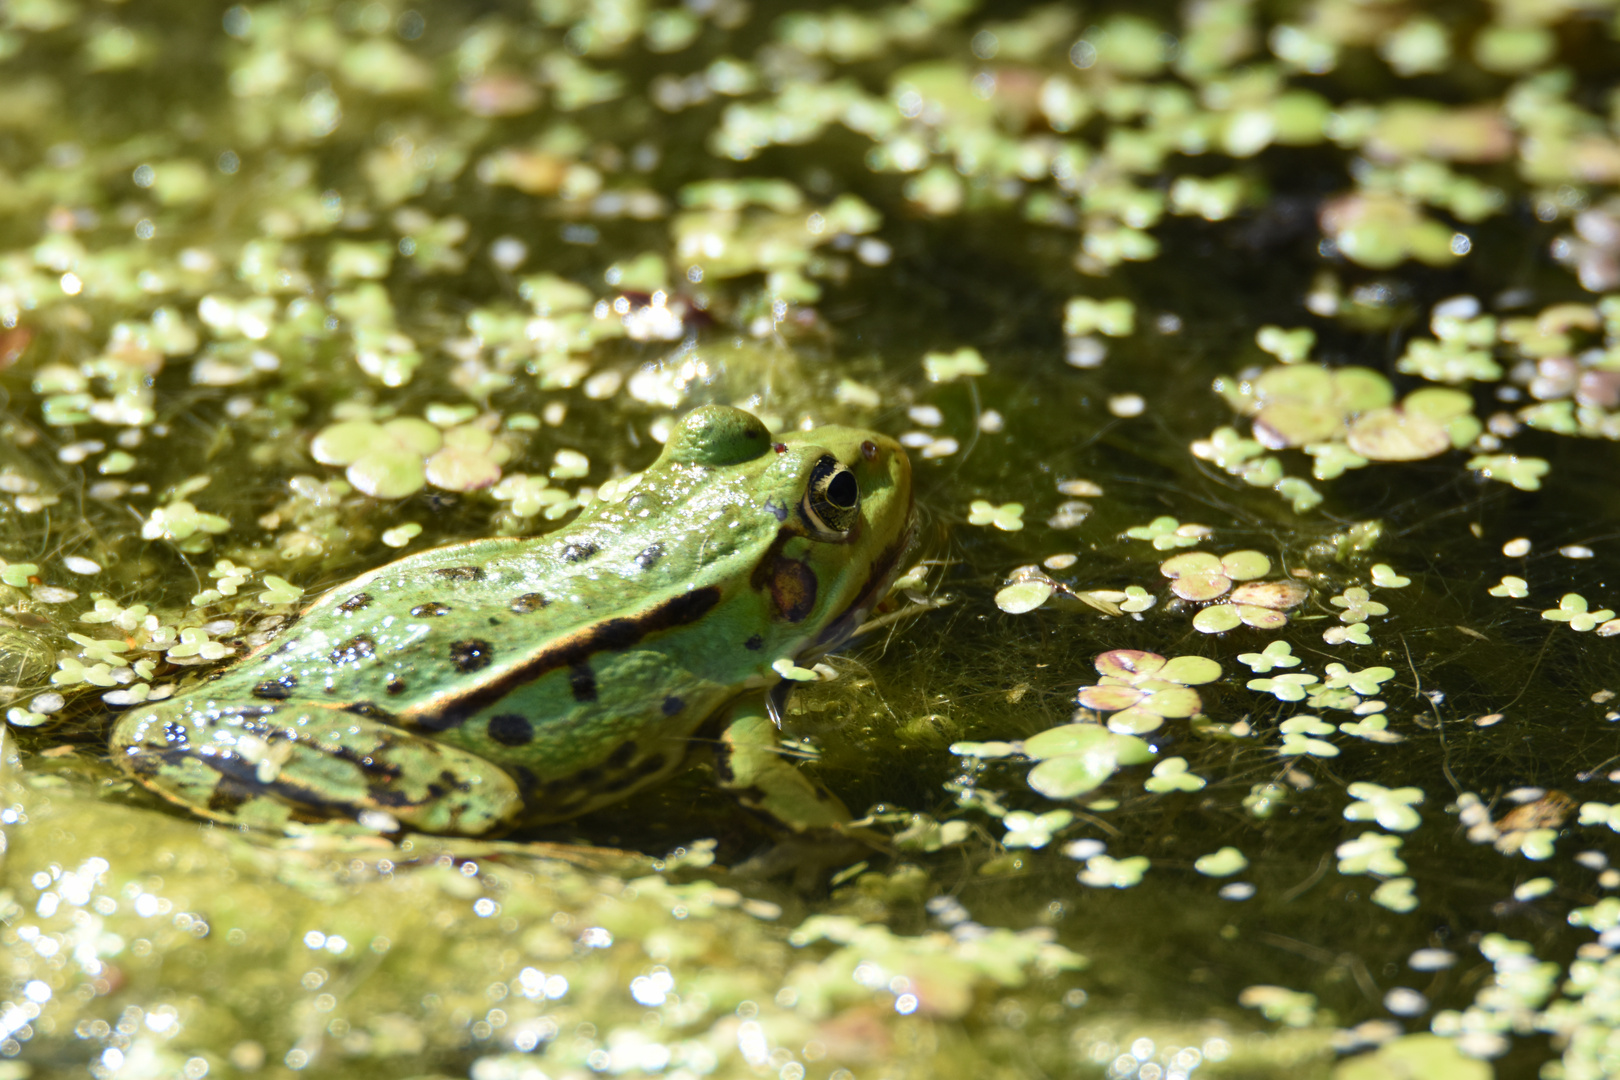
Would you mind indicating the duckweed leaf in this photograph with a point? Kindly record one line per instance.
(1291, 1008)
(1284, 687)
(1534, 889)
(1190, 670)
(1223, 863)
(1075, 758)
(1110, 698)
(1166, 533)
(1217, 619)
(1396, 895)
(1137, 720)
(787, 669)
(947, 367)
(1082, 315)
(1195, 576)
(1365, 681)
(1277, 654)
(1572, 609)
(985, 750)
(1300, 494)
(1033, 830)
(278, 590)
(1515, 587)
(1355, 633)
(1537, 844)
(1129, 666)
(1171, 775)
(1296, 744)
(1358, 605)
(1596, 813)
(1332, 697)
(1390, 807)
(1306, 724)
(1330, 460)
(1008, 517)
(1274, 595)
(1384, 576)
(1263, 799)
(1371, 853)
(1137, 599)
(1288, 346)
(1105, 872)
(1227, 449)
(1024, 596)
(1524, 473)
(1374, 728)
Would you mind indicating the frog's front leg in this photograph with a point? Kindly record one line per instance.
(750, 765)
(264, 766)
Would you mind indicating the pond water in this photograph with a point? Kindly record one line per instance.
(1250, 710)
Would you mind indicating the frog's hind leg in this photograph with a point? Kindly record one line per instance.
(750, 765)
(263, 768)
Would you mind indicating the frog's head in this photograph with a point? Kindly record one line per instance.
(839, 504)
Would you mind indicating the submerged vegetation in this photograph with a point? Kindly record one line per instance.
(1260, 363)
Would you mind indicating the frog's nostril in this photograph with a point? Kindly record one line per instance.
(869, 450)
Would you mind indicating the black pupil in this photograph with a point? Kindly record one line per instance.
(842, 490)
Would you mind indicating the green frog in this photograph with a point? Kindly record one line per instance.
(501, 682)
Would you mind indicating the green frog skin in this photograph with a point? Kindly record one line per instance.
(488, 684)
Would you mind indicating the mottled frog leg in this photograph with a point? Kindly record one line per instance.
(750, 765)
(265, 766)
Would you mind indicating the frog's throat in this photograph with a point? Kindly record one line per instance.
(884, 570)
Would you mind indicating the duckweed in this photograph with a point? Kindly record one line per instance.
(1223, 863)
(1573, 609)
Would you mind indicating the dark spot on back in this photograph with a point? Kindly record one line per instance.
(358, 648)
(460, 573)
(673, 705)
(472, 654)
(754, 644)
(355, 602)
(529, 601)
(578, 552)
(276, 689)
(510, 729)
(368, 709)
(389, 798)
(582, 681)
(575, 650)
(624, 755)
(248, 710)
(226, 798)
(649, 556)
(440, 721)
(585, 778)
(395, 684)
(422, 611)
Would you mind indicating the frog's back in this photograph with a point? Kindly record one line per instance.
(581, 661)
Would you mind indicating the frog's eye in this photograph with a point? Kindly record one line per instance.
(833, 497)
